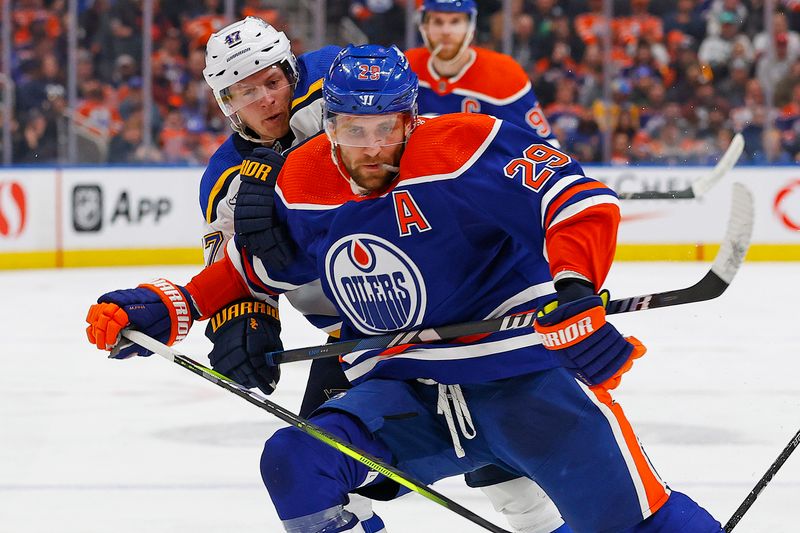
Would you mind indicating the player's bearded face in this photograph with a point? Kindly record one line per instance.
(263, 101)
(445, 32)
(370, 146)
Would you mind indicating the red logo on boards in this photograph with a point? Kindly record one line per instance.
(12, 209)
(782, 205)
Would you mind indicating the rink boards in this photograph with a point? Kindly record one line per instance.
(103, 216)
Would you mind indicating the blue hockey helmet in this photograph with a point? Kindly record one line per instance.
(369, 80)
(450, 6)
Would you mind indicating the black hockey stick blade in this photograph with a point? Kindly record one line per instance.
(762, 483)
(372, 462)
(727, 262)
(701, 185)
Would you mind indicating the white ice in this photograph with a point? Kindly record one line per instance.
(90, 445)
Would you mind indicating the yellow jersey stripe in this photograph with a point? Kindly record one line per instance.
(314, 87)
(217, 187)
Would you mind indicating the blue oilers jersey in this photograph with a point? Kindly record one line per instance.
(220, 182)
(490, 83)
(480, 220)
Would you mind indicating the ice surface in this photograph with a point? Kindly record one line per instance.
(93, 445)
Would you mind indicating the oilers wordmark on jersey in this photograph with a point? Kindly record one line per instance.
(376, 284)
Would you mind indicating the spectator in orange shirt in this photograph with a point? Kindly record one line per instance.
(630, 30)
(591, 26)
(209, 19)
(96, 112)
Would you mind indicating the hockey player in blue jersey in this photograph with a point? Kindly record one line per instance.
(459, 218)
(254, 89)
(457, 77)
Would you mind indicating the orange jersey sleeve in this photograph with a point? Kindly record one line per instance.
(585, 243)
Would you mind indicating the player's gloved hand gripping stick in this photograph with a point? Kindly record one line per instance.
(588, 346)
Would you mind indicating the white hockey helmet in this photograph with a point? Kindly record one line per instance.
(239, 50)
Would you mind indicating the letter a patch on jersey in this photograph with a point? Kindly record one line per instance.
(408, 214)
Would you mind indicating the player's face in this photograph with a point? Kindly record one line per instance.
(368, 143)
(446, 31)
(268, 112)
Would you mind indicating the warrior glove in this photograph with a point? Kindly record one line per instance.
(243, 333)
(255, 222)
(160, 309)
(588, 346)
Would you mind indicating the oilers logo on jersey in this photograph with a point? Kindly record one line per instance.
(376, 284)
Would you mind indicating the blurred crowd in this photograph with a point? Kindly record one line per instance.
(687, 75)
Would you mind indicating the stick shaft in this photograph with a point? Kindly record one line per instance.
(309, 428)
(762, 483)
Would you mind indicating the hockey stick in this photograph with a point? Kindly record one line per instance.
(702, 184)
(762, 483)
(726, 264)
(309, 428)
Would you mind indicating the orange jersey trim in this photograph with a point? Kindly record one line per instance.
(655, 490)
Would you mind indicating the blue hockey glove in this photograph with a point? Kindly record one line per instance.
(588, 346)
(243, 333)
(160, 309)
(256, 225)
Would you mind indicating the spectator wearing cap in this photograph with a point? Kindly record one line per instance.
(715, 10)
(781, 25)
(718, 50)
(770, 72)
(643, 78)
